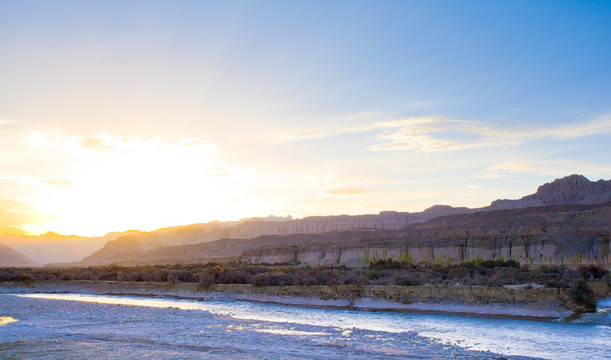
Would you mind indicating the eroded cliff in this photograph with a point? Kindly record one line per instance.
(133, 246)
(573, 189)
(546, 235)
(557, 224)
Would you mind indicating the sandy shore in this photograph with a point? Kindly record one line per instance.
(52, 329)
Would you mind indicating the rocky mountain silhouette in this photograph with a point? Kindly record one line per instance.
(10, 257)
(571, 190)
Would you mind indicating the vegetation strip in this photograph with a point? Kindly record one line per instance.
(402, 282)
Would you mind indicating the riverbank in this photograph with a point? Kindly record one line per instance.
(68, 326)
(543, 303)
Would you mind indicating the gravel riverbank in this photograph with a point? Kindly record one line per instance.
(53, 329)
(544, 303)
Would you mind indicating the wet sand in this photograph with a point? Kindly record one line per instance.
(53, 329)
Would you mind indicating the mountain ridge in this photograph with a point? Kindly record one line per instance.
(11, 257)
(573, 189)
(55, 248)
(549, 234)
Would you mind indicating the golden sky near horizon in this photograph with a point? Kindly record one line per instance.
(140, 115)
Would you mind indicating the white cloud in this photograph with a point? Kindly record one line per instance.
(104, 141)
(37, 139)
(505, 168)
(416, 134)
(198, 144)
(601, 125)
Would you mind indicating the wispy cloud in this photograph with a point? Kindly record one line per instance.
(555, 168)
(440, 134)
(505, 168)
(420, 134)
(61, 183)
(22, 180)
(104, 141)
(415, 133)
(436, 133)
(600, 125)
(346, 191)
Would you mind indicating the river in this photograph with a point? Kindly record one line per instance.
(513, 337)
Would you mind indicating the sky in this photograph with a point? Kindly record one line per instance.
(118, 115)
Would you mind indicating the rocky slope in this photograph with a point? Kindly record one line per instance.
(56, 248)
(571, 190)
(10, 257)
(558, 234)
(127, 248)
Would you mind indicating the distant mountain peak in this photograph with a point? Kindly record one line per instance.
(11, 257)
(438, 207)
(269, 218)
(569, 183)
(572, 189)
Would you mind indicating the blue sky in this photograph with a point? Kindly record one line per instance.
(231, 109)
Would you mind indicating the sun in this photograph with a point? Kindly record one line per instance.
(120, 183)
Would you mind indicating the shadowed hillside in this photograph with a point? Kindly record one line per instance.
(573, 189)
(559, 234)
(10, 257)
(56, 248)
(556, 224)
(124, 248)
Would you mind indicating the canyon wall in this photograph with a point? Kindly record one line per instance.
(128, 247)
(563, 237)
(567, 234)
(557, 224)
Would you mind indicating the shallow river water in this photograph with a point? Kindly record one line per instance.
(520, 337)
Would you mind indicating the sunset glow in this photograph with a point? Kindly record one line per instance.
(141, 115)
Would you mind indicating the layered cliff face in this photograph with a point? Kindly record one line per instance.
(386, 220)
(546, 235)
(10, 257)
(124, 247)
(573, 189)
(127, 248)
